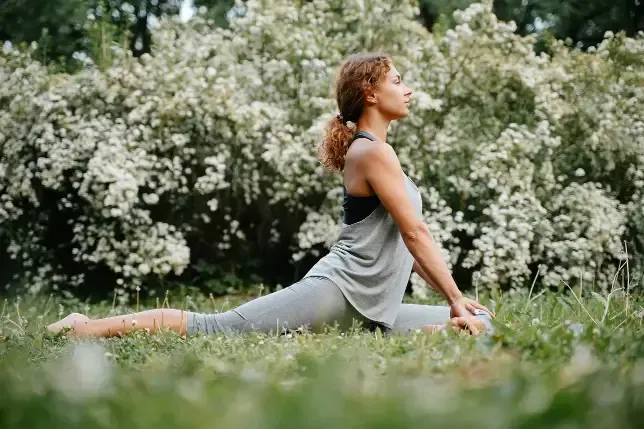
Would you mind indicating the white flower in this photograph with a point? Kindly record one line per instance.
(84, 374)
(144, 268)
(151, 199)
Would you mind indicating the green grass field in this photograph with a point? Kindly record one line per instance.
(534, 372)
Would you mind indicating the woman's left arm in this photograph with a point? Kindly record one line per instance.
(419, 270)
(423, 275)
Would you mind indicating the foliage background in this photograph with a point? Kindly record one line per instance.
(195, 163)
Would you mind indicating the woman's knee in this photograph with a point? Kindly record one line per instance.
(203, 323)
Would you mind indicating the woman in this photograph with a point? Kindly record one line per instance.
(364, 276)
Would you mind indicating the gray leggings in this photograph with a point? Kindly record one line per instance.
(312, 303)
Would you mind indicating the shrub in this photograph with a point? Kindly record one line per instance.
(203, 153)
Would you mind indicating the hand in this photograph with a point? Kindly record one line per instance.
(466, 307)
(470, 323)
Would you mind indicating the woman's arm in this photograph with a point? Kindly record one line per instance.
(382, 170)
(423, 275)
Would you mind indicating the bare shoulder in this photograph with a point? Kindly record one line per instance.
(366, 152)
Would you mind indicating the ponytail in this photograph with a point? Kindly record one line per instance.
(337, 139)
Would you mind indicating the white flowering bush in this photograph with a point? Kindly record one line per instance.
(199, 160)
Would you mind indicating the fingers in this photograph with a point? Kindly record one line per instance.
(484, 308)
(472, 327)
(470, 307)
(464, 323)
(467, 306)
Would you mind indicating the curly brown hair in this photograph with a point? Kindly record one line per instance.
(358, 73)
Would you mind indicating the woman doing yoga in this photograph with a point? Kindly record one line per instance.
(382, 238)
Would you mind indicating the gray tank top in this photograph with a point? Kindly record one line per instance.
(371, 264)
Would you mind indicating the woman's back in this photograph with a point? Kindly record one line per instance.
(359, 198)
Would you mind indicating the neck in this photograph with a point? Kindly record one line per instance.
(373, 123)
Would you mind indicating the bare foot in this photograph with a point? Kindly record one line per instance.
(433, 329)
(471, 324)
(73, 321)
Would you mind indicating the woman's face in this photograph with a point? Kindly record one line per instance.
(392, 97)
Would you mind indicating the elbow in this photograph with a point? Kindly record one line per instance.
(415, 233)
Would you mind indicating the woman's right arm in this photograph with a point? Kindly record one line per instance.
(384, 174)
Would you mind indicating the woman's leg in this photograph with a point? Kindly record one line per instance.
(312, 303)
(152, 320)
(433, 318)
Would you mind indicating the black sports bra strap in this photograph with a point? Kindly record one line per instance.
(365, 135)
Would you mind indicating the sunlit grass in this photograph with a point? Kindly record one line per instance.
(556, 360)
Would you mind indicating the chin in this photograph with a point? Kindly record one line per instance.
(399, 114)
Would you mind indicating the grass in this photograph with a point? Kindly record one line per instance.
(534, 372)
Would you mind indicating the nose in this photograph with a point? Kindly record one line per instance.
(408, 92)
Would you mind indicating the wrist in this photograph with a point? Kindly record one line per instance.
(453, 297)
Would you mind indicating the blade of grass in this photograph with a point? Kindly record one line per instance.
(531, 287)
(580, 303)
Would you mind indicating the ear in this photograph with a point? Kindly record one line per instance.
(370, 96)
